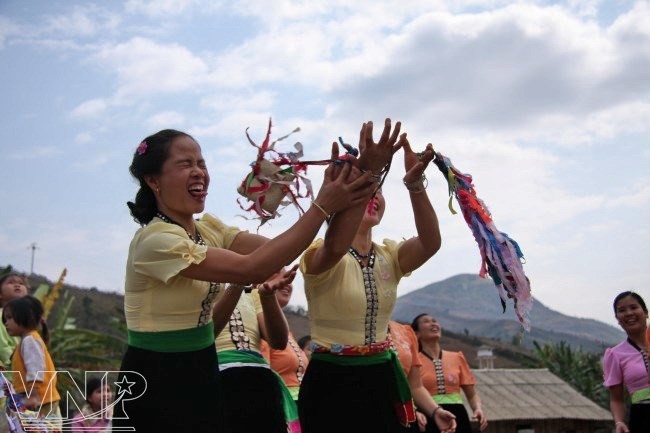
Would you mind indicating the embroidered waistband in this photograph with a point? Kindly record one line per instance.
(453, 398)
(349, 350)
(640, 395)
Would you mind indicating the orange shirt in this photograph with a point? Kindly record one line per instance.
(406, 344)
(289, 363)
(456, 372)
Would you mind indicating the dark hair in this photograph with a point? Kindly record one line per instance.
(302, 341)
(632, 294)
(92, 385)
(28, 313)
(414, 323)
(148, 160)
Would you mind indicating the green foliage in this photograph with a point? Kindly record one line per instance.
(582, 370)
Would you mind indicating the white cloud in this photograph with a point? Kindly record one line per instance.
(166, 119)
(499, 70)
(637, 197)
(83, 21)
(169, 8)
(241, 101)
(90, 109)
(584, 8)
(7, 29)
(633, 24)
(83, 138)
(146, 68)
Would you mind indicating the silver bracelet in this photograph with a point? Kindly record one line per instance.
(417, 186)
(434, 411)
(376, 178)
(245, 287)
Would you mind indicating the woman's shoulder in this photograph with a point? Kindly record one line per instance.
(210, 224)
(621, 348)
(459, 355)
(157, 226)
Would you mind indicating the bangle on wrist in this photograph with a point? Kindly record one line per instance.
(434, 411)
(327, 216)
(376, 178)
(417, 186)
(245, 287)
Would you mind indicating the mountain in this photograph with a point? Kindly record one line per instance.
(471, 305)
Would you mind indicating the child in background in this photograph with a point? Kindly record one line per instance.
(12, 285)
(95, 416)
(31, 359)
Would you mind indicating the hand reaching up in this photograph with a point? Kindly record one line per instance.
(375, 156)
(415, 163)
(343, 186)
(277, 281)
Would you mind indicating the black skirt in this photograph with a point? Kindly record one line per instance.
(253, 401)
(348, 399)
(639, 418)
(182, 392)
(463, 424)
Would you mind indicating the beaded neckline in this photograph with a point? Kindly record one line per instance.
(197, 238)
(440, 376)
(359, 256)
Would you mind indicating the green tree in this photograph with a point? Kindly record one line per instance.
(582, 370)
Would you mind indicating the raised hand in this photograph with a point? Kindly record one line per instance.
(375, 156)
(343, 186)
(277, 281)
(415, 163)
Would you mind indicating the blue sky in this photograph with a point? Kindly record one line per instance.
(546, 104)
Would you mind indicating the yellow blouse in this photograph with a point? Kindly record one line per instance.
(156, 297)
(337, 298)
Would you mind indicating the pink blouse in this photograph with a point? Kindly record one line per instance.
(623, 364)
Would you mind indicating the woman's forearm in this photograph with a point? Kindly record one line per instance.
(224, 307)
(275, 328)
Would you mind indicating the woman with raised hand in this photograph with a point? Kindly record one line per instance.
(173, 274)
(445, 374)
(354, 379)
(626, 366)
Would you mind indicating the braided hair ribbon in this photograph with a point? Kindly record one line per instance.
(502, 259)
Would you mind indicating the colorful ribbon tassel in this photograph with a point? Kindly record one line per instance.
(501, 257)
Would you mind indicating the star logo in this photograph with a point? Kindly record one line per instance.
(124, 386)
